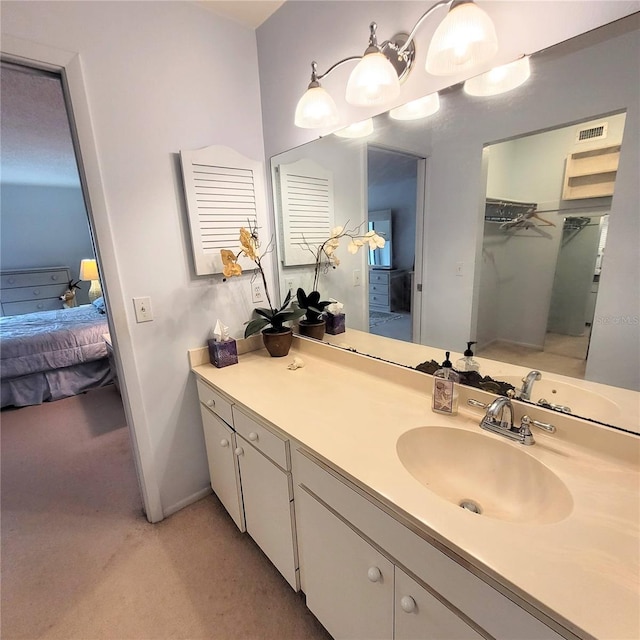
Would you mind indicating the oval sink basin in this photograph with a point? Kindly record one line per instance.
(581, 402)
(476, 471)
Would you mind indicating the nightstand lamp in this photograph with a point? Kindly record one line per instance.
(89, 271)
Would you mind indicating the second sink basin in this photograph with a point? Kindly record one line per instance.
(479, 472)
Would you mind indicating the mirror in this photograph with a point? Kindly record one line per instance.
(573, 86)
(381, 223)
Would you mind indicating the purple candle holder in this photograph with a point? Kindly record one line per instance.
(222, 354)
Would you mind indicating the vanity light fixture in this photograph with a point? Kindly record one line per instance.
(500, 79)
(465, 39)
(356, 130)
(416, 109)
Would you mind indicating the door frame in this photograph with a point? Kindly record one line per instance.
(68, 65)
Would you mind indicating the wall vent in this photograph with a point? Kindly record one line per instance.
(599, 132)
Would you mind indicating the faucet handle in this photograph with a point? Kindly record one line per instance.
(476, 403)
(526, 421)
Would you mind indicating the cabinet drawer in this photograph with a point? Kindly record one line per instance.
(273, 446)
(379, 289)
(378, 300)
(214, 401)
(488, 608)
(18, 294)
(34, 278)
(30, 306)
(378, 277)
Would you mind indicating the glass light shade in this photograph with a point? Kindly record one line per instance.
(316, 109)
(357, 129)
(416, 109)
(373, 81)
(499, 80)
(465, 39)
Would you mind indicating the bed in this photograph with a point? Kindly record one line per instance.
(51, 355)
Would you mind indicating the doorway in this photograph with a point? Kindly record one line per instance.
(394, 187)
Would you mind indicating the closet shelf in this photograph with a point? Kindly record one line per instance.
(592, 173)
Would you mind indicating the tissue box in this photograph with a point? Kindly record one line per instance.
(335, 323)
(222, 354)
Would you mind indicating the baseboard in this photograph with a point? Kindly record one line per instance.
(194, 497)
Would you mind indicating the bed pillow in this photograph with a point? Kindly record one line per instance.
(98, 303)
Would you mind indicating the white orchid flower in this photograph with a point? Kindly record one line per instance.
(336, 231)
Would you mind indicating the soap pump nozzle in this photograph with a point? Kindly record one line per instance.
(468, 351)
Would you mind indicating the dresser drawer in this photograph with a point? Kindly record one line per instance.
(30, 306)
(40, 292)
(214, 401)
(378, 277)
(272, 445)
(379, 289)
(377, 300)
(34, 278)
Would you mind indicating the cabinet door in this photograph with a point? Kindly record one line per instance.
(348, 584)
(418, 614)
(268, 508)
(223, 466)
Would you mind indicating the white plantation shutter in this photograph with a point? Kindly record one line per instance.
(224, 191)
(305, 191)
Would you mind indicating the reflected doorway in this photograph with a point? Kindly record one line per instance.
(393, 188)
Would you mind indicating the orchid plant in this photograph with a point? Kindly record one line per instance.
(325, 253)
(270, 319)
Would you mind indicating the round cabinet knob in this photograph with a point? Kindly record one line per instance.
(40, 305)
(239, 451)
(224, 442)
(374, 574)
(36, 292)
(12, 280)
(408, 604)
(54, 277)
(211, 403)
(253, 436)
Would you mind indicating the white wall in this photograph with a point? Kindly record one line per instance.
(160, 77)
(44, 226)
(453, 229)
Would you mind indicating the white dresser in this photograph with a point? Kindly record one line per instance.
(387, 289)
(29, 290)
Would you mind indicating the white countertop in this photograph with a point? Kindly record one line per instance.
(582, 571)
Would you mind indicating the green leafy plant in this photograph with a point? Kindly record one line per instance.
(272, 320)
(311, 305)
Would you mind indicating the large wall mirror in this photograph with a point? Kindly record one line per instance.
(503, 213)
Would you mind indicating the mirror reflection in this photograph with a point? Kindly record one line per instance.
(498, 224)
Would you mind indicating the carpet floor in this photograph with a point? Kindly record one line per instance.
(80, 561)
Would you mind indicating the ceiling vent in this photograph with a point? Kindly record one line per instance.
(599, 132)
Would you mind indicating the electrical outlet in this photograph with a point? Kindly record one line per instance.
(143, 309)
(288, 283)
(460, 269)
(257, 292)
(357, 277)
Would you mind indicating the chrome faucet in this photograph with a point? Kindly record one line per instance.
(527, 384)
(495, 421)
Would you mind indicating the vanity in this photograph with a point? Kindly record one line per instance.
(351, 486)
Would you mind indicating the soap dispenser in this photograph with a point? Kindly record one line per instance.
(467, 362)
(444, 398)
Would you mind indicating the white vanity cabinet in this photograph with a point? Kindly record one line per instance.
(343, 533)
(250, 471)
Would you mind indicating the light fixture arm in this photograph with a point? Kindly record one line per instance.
(422, 18)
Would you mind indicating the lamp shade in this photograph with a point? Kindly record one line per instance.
(88, 269)
(373, 81)
(316, 109)
(465, 39)
(416, 109)
(500, 79)
(357, 129)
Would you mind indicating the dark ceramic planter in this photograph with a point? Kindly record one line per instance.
(312, 329)
(277, 343)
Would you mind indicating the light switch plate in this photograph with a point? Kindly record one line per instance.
(143, 309)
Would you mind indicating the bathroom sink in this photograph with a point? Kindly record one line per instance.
(580, 401)
(484, 474)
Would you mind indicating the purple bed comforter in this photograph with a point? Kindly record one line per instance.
(50, 340)
(51, 355)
